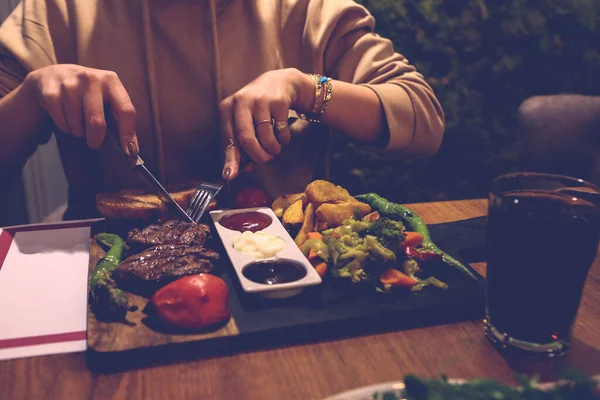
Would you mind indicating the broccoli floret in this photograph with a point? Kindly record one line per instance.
(348, 226)
(378, 250)
(352, 270)
(388, 232)
(360, 253)
(356, 225)
(339, 251)
(351, 239)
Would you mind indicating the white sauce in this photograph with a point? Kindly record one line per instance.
(259, 245)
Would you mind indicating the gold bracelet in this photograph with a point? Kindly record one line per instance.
(327, 93)
(323, 93)
(317, 104)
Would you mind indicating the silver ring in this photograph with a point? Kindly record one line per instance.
(264, 121)
(230, 143)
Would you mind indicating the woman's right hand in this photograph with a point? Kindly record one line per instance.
(75, 98)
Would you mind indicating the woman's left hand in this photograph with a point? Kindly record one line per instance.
(247, 114)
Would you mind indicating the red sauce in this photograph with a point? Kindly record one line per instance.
(252, 221)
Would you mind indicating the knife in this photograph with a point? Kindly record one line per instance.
(143, 173)
(139, 168)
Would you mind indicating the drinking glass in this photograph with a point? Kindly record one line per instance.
(542, 238)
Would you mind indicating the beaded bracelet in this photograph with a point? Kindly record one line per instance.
(323, 93)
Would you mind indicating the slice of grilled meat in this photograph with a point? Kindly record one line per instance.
(146, 272)
(171, 232)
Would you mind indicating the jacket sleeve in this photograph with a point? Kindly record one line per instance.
(340, 33)
(25, 43)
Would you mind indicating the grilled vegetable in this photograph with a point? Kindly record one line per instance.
(108, 302)
(251, 197)
(194, 302)
(412, 239)
(414, 223)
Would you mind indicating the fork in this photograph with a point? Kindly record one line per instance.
(203, 195)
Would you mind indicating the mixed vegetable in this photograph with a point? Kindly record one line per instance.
(372, 249)
(416, 224)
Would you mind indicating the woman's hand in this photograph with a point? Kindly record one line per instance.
(246, 116)
(75, 97)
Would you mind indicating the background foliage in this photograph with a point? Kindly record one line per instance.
(483, 58)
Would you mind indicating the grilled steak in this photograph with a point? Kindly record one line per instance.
(171, 232)
(146, 272)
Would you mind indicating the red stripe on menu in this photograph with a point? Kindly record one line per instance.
(44, 339)
(6, 239)
(47, 227)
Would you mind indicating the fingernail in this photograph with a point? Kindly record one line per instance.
(226, 173)
(133, 150)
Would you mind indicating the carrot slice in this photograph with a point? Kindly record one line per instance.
(315, 235)
(312, 254)
(321, 269)
(393, 277)
(413, 239)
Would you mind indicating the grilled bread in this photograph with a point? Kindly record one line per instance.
(142, 205)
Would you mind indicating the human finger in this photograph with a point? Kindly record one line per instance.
(93, 112)
(231, 149)
(280, 112)
(72, 106)
(124, 113)
(245, 134)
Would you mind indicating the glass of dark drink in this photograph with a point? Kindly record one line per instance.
(543, 235)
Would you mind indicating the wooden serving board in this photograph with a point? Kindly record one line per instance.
(320, 313)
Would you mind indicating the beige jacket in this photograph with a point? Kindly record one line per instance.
(164, 52)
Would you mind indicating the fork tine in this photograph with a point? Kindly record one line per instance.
(205, 204)
(201, 205)
(202, 198)
(198, 206)
(194, 201)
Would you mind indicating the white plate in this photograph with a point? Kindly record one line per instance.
(377, 391)
(371, 392)
(291, 252)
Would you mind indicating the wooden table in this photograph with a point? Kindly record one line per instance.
(313, 371)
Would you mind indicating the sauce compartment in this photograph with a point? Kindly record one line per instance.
(243, 221)
(298, 273)
(273, 272)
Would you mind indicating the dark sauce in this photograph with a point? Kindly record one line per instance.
(252, 221)
(274, 272)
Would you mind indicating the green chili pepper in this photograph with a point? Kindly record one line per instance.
(108, 302)
(414, 223)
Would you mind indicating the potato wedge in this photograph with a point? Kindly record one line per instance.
(294, 214)
(308, 225)
(335, 214)
(320, 191)
(320, 226)
(363, 208)
(284, 201)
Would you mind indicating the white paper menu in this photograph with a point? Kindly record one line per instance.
(43, 289)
